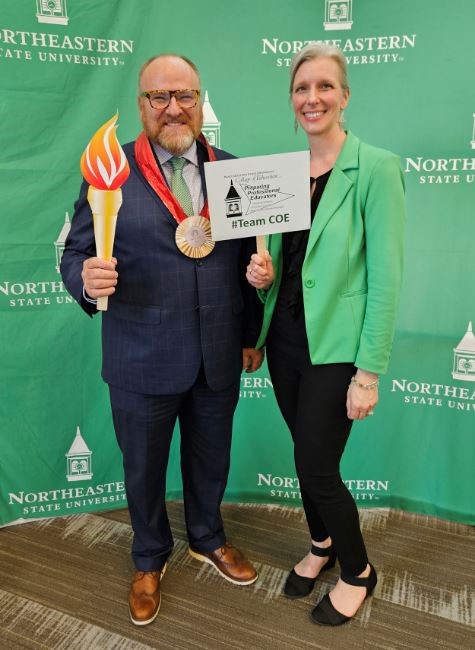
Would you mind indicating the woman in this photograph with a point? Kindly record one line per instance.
(330, 298)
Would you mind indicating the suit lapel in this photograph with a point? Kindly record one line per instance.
(202, 158)
(338, 186)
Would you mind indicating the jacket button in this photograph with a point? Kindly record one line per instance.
(309, 283)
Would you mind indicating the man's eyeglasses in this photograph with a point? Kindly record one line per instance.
(160, 99)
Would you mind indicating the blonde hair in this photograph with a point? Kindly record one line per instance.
(314, 51)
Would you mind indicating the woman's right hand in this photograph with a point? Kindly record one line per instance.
(260, 270)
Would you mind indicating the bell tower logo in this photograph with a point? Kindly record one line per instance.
(464, 357)
(60, 242)
(78, 460)
(52, 11)
(211, 125)
(338, 14)
(233, 202)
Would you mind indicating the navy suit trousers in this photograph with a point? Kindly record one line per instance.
(144, 427)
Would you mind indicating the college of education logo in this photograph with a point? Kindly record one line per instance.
(338, 14)
(259, 192)
(233, 202)
(458, 398)
(444, 171)
(52, 11)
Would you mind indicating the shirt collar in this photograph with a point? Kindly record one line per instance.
(164, 156)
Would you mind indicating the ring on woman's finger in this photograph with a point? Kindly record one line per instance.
(370, 412)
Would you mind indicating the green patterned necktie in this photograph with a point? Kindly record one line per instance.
(179, 187)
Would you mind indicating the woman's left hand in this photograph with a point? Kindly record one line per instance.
(360, 402)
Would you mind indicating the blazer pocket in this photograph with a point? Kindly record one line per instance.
(357, 292)
(135, 313)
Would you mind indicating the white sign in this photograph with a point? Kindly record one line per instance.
(259, 195)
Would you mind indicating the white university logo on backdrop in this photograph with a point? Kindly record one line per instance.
(338, 14)
(363, 50)
(59, 500)
(61, 48)
(457, 398)
(464, 357)
(211, 125)
(78, 460)
(52, 11)
(27, 293)
(444, 171)
(288, 487)
(61, 240)
(255, 387)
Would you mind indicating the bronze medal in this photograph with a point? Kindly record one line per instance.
(193, 237)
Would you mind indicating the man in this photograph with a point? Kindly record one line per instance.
(180, 325)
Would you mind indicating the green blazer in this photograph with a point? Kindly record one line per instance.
(351, 274)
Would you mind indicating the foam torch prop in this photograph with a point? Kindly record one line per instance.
(105, 167)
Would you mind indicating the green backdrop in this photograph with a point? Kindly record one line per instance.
(66, 66)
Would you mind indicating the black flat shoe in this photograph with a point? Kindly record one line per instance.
(325, 614)
(299, 586)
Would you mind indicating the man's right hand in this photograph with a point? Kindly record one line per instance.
(99, 277)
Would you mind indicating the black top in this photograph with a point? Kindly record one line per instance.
(288, 320)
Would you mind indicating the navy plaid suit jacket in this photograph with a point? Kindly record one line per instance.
(169, 313)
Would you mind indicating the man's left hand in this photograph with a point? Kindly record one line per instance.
(252, 359)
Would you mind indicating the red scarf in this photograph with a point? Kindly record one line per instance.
(153, 175)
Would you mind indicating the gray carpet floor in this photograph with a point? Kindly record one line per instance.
(64, 585)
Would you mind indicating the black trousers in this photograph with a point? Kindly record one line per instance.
(144, 427)
(312, 399)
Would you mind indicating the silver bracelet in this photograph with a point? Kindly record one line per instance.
(369, 386)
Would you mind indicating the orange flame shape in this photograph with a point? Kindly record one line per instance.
(103, 163)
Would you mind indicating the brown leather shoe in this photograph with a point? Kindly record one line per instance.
(230, 563)
(144, 596)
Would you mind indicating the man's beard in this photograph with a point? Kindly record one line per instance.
(175, 143)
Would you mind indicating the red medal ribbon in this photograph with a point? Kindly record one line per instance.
(152, 173)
